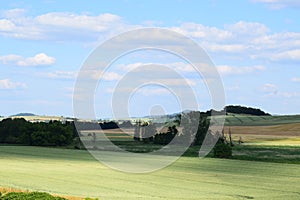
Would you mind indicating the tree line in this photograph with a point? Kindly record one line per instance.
(20, 131)
(245, 110)
(194, 129)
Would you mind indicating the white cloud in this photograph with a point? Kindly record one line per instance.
(6, 25)
(279, 4)
(291, 55)
(8, 84)
(231, 70)
(270, 89)
(232, 88)
(10, 59)
(153, 91)
(100, 75)
(289, 94)
(60, 26)
(60, 75)
(295, 79)
(247, 29)
(248, 39)
(229, 48)
(180, 66)
(176, 82)
(143, 91)
(204, 32)
(131, 66)
(111, 76)
(37, 60)
(13, 13)
(74, 21)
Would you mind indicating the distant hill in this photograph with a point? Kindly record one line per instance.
(23, 114)
(245, 110)
(252, 120)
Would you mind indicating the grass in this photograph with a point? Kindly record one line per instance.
(29, 196)
(7, 191)
(251, 120)
(76, 173)
(267, 153)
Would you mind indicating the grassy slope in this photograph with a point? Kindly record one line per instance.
(264, 130)
(251, 120)
(72, 172)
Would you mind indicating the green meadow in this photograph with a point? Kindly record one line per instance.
(75, 173)
(252, 120)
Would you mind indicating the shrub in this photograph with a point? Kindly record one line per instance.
(222, 151)
(30, 196)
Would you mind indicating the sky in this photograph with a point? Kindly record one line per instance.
(254, 45)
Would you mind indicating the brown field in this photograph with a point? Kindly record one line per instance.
(283, 134)
(288, 134)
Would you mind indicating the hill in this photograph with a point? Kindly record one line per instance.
(245, 110)
(22, 114)
(252, 120)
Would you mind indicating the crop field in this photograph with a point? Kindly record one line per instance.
(265, 130)
(251, 120)
(281, 134)
(75, 173)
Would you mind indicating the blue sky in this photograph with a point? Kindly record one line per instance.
(255, 45)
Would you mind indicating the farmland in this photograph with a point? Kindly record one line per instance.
(251, 120)
(76, 173)
(264, 166)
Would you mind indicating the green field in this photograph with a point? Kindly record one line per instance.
(76, 173)
(252, 120)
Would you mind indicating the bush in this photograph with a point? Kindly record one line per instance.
(222, 151)
(29, 196)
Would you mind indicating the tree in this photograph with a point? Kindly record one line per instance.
(190, 124)
(148, 132)
(20, 131)
(230, 138)
(222, 150)
(202, 130)
(137, 130)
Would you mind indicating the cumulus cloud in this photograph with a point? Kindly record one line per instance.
(279, 4)
(59, 74)
(179, 66)
(100, 75)
(289, 94)
(37, 60)
(232, 70)
(233, 88)
(8, 84)
(295, 79)
(59, 25)
(291, 55)
(205, 32)
(153, 91)
(270, 89)
(247, 28)
(249, 39)
(70, 20)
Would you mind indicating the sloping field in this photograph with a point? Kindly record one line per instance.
(285, 134)
(76, 173)
(251, 120)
